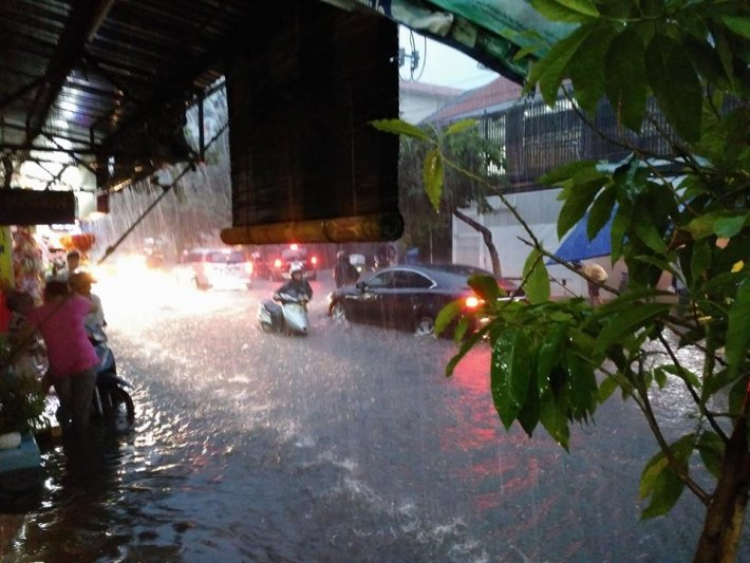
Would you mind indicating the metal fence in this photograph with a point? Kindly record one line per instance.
(536, 138)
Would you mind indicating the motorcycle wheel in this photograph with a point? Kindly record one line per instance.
(338, 312)
(118, 405)
(425, 327)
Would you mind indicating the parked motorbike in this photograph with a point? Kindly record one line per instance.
(112, 402)
(288, 316)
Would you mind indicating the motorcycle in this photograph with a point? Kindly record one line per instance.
(112, 402)
(288, 316)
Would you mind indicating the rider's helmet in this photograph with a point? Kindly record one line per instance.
(296, 269)
(340, 255)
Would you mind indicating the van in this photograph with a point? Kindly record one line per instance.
(218, 268)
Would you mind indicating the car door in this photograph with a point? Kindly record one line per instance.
(365, 304)
(408, 297)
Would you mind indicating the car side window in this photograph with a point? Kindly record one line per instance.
(381, 281)
(411, 280)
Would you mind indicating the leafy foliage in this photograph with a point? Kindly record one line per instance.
(442, 171)
(686, 213)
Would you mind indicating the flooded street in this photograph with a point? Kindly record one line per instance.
(347, 445)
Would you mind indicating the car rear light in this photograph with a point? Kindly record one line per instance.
(314, 260)
(277, 263)
(293, 247)
(472, 302)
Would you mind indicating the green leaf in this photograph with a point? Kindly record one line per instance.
(461, 328)
(628, 322)
(433, 177)
(661, 377)
(585, 7)
(608, 386)
(625, 79)
(460, 126)
(583, 390)
(676, 85)
(711, 449)
(587, 69)
(601, 212)
(550, 353)
(509, 374)
(738, 329)
(719, 223)
(554, 419)
(400, 127)
(565, 10)
(447, 314)
(537, 280)
(466, 347)
(550, 71)
(575, 206)
(654, 467)
(660, 481)
(738, 24)
(667, 490)
(528, 416)
(684, 374)
(731, 226)
(651, 237)
(528, 50)
(620, 225)
(486, 287)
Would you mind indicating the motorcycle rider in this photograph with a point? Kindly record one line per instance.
(298, 285)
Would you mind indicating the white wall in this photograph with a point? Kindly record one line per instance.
(540, 209)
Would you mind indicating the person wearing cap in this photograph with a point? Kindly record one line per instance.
(298, 285)
(81, 283)
(595, 276)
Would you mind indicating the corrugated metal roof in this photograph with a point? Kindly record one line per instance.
(99, 75)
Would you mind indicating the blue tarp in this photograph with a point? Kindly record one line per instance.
(577, 246)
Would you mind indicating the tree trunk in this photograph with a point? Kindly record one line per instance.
(725, 516)
(487, 236)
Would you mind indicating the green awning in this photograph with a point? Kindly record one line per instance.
(490, 31)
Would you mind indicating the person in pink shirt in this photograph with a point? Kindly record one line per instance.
(72, 358)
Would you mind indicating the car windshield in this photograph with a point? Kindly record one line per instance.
(235, 257)
(291, 254)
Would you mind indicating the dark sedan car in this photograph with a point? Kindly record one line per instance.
(407, 297)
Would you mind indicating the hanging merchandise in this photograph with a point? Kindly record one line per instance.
(83, 242)
(27, 263)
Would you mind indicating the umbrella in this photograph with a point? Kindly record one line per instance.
(577, 246)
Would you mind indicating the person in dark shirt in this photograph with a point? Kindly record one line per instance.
(344, 273)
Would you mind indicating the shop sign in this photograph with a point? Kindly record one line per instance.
(32, 207)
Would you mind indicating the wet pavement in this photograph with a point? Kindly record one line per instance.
(347, 445)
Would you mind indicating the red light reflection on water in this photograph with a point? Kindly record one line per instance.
(504, 466)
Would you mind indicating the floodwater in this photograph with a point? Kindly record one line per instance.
(347, 445)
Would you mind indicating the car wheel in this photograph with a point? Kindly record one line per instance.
(338, 312)
(425, 327)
